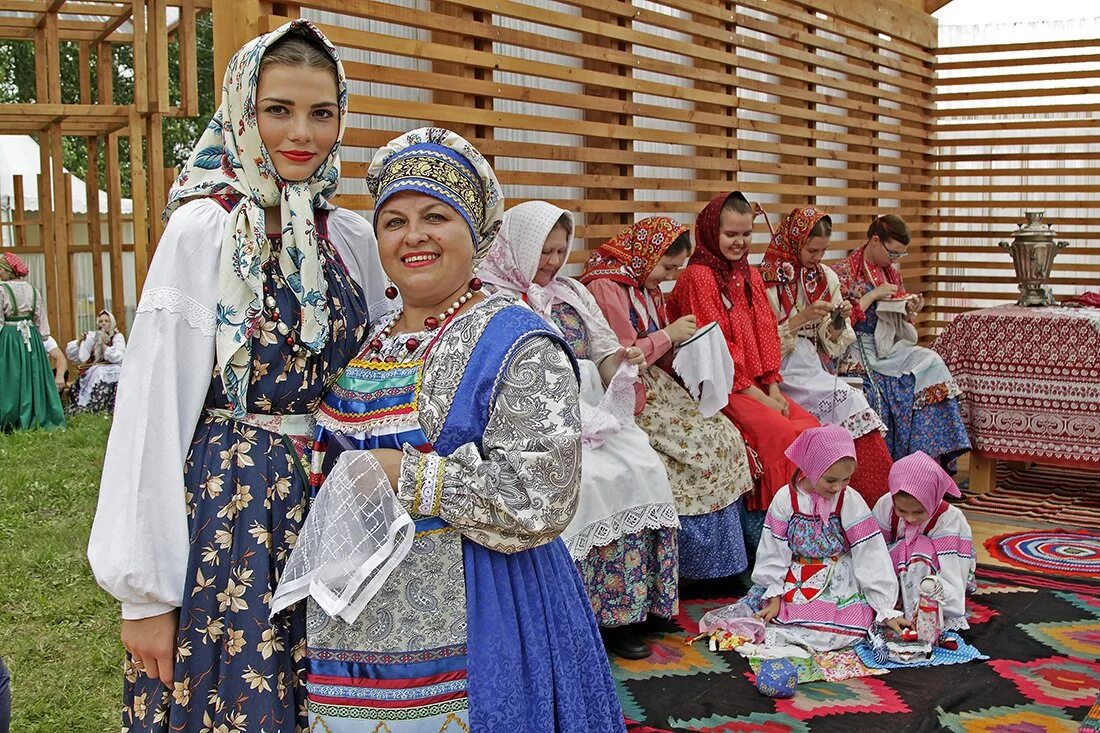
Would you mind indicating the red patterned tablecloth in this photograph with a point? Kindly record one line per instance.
(1031, 381)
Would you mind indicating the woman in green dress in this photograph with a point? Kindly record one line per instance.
(24, 364)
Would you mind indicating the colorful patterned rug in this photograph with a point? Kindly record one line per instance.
(1060, 559)
(1047, 494)
(1043, 675)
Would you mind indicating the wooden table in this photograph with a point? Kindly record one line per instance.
(1031, 385)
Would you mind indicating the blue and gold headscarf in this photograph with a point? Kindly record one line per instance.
(230, 158)
(441, 164)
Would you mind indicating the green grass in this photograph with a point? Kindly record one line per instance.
(58, 630)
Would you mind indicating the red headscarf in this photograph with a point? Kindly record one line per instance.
(631, 255)
(12, 263)
(782, 266)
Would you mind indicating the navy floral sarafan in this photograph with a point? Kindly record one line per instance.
(236, 671)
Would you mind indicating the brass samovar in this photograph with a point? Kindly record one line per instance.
(1033, 249)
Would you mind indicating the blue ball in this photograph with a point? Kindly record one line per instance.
(777, 678)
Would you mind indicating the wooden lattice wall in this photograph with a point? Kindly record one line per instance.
(1017, 127)
(618, 110)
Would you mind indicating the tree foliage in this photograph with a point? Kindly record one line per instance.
(17, 85)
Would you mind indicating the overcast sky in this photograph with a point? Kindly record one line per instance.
(967, 12)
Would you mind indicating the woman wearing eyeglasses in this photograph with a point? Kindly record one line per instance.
(907, 385)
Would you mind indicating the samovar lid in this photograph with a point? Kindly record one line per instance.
(1034, 229)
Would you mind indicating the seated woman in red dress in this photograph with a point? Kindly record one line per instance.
(718, 284)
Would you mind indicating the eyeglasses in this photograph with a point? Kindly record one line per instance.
(894, 255)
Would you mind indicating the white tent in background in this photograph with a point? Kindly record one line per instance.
(19, 157)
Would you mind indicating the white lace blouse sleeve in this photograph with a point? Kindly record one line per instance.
(139, 543)
(113, 354)
(773, 554)
(353, 237)
(874, 570)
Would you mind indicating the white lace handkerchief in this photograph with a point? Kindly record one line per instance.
(355, 535)
(706, 367)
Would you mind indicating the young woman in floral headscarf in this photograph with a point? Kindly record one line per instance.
(705, 457)
(255, 300)
(908, 385)
(719, 285)
(29, 397)
(804, 295)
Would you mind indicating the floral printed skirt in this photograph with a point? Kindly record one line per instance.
(235, 670)
(937, 428)
(633, 576)
(705, 458)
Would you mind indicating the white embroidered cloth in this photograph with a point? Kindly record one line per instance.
(355, 535)
(624, 485)
(706, 367)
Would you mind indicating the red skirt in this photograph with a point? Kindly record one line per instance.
(768, 433)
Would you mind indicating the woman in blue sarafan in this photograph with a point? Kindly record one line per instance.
(470, 405)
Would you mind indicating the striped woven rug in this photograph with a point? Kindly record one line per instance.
(1044, 494)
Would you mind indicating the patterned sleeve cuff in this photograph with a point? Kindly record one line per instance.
(420, 488)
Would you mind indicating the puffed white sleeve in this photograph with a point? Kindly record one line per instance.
(954, 546)
(113, 354)
(87, 347)
(874, 570)
(773, 554)
(353, 237)
(883, 511)
(139, 543)
(72, 349)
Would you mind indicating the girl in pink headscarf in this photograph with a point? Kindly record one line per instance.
(823, 575)
(927, 536)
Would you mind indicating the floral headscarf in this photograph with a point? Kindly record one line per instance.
(230, 158)
(632, 254)
(707, 227)
(13, 264)
(782, 266)
(441, 164)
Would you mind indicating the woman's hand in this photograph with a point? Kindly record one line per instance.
(152, 644)
(898, 623)
(914, 305)
(390, 460)
(681, 329)
(812, 313)
(886, 290)
(633, 355)
(780, 401)
(770, 611)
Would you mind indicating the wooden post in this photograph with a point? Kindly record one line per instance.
(19, 213)
(188, 58)
(140, 197)
(46, 226)
(983, 473)
(235, 23)
(114, 228)
(95, 233)
(455, 40)
(141, 56)
(62, 260)
(154, 136)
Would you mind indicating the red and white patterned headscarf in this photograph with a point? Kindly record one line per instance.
(13, 264)
(782, 266)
